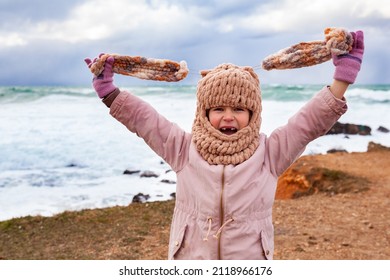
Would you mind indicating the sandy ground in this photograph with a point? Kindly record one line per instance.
(351, 225)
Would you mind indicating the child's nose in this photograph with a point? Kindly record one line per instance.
(228, 115)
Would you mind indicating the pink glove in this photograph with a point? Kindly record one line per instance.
(103, 83)
(348, 65)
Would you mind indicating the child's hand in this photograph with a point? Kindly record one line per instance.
(103, 84)
(348, 65)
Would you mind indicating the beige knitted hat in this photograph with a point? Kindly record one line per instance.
(234, 86)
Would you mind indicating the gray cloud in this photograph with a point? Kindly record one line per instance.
(11, 10)
(42, 42)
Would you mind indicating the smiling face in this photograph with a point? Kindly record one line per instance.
(229, 120)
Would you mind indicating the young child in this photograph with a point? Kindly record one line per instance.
(226, 169)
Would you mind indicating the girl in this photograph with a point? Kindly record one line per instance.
(226, 169)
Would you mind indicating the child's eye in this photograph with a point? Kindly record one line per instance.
(239, 109)
(219, 109)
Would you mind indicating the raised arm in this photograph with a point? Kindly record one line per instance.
(319, 114)
(347, 66)
(164, 137)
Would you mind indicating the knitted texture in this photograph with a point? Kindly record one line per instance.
(234, 86)
(142, 67)
(337, 41)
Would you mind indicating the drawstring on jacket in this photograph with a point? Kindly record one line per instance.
(219, 231)
(210, 220)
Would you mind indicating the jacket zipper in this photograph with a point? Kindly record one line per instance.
(222, 214)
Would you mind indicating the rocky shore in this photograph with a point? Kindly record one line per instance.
(333, 206)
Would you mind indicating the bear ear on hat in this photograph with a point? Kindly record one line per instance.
(204, 72)
(251, 71)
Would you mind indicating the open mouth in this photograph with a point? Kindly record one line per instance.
(228, 130)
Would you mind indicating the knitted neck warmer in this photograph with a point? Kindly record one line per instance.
(234, 86)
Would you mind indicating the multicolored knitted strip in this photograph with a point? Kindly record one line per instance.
(337, 41)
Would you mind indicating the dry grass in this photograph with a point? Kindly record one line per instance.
(139, 231)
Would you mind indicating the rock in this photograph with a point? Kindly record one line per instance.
(129, 172)
(173, 195)
(299, 249)
(168, 181)
(375, 147)
(383, 129)
(140, 198)
(305, 178)
(347, 128)
(149, 174)
(331, 151)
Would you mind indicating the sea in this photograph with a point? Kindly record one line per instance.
(60, 150)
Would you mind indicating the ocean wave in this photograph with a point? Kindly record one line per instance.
(356, 93)
(26, 94)
(276, 92)
(373, 94)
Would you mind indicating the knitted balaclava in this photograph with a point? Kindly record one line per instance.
(234, 86)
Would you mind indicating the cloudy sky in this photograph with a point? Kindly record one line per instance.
(44, 42)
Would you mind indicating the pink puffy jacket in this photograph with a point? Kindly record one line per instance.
(225, 212)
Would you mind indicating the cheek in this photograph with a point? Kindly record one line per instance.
(214, 120)
(244, 120)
